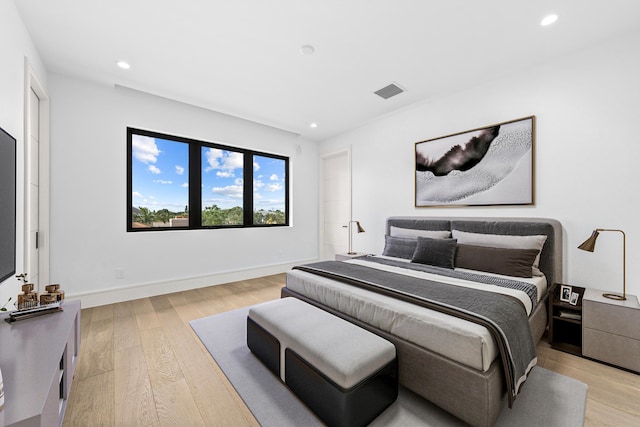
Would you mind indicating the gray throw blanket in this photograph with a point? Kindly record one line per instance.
(504, 316)
(528, 288)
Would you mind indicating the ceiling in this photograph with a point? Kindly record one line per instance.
(242, 57)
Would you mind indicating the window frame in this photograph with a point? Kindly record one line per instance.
(195, 148)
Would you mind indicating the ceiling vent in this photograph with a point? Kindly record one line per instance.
(389, 91)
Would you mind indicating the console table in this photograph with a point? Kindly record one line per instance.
(38, 358)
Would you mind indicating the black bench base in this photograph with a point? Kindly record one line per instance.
(356, 406)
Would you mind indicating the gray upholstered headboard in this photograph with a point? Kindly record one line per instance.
(550, 258)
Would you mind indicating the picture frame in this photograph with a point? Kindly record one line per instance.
(574, 298)
(565, 293)
(492, 165)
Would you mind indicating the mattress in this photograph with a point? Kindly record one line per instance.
(460, 340)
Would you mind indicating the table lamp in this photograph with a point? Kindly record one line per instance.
(360, 230)
(590, 244)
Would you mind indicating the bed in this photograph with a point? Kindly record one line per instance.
(451, 361)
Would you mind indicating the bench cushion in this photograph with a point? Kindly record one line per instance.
(345, 353)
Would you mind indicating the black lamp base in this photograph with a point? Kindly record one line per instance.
(615, 296)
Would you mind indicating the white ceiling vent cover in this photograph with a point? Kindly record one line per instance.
(389, 91)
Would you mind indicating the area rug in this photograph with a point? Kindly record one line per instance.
(548, 398)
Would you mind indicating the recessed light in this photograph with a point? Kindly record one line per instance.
(548, 20)
(123, 64)
(307, 49)
(313, 125)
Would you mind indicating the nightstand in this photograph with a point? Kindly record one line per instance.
(565, 321)
(345, 256)
(611, 330)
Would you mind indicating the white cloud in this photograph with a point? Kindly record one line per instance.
(257, 184)
(136, 194)
(154, 169)
(273, 177)
(233, 160)
(144, 149)
(226, 161)
(185, 185)
(273, 187)
(239, 181)
(162, 181)
(179, 170)
(234, 191)
(225, 174)
(256, 166)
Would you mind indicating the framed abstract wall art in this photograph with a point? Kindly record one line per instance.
(487, 166)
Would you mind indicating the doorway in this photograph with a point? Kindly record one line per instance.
(36, 182)
(335, 203)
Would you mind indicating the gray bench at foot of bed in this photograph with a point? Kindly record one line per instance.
(345, 374)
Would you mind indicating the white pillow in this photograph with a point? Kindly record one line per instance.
(504, 241)
(415, 233)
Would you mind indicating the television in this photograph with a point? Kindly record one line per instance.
(7, 205)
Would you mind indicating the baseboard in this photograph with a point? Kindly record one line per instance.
(132, 292)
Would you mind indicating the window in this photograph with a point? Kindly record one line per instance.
(222, 187)
(269, 194)
(179, 183)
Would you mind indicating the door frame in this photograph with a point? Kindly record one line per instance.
(32, 83)
(323, 158)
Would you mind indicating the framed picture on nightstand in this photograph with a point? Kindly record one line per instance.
(565, 293)
(574, 298)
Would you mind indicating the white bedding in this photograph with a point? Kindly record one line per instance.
(457, 339)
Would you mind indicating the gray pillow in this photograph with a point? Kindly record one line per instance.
(399, 247)
(436, 252)
(504, 241)
(505, 261)
(414, 233)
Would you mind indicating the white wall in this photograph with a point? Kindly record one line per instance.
(88, 193)
(587, 107)
(15, 47)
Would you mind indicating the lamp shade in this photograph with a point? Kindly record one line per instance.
(360, 229)
(590, 244)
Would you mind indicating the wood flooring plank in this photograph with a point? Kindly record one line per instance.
(176, 406)
(134, 402)
(145, 314)
(218, 403)
(103, 312)
(125, 327)
(91, 402)
(599, 414)
(186, 305)
(161, 361)
(96, 354)
(85, 320)
(210, 301)
(165, 312)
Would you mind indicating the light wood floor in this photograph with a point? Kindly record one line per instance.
(141, 364)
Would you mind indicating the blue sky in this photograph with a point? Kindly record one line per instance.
(160, 175)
